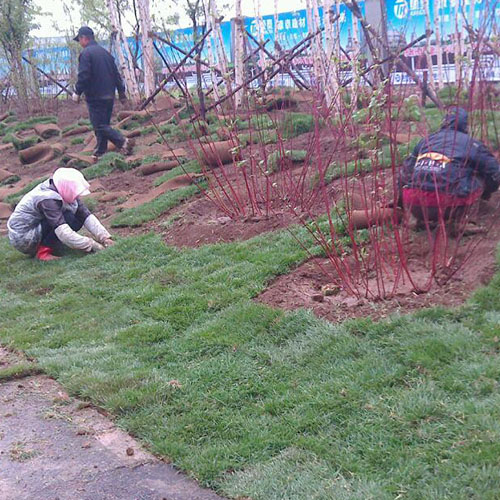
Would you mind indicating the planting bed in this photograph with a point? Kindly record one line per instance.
(304, 287)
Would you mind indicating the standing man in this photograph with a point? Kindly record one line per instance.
(98, 79)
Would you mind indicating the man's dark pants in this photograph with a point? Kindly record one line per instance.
(49, 238)
(100, 111)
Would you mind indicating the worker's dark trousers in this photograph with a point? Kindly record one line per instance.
(49, 238)
(100, 111)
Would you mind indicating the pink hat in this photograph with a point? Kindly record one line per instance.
(70, 184)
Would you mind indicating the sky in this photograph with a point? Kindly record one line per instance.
(53, 13)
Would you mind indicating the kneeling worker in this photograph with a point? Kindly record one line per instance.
(447, 173)
(52, 213)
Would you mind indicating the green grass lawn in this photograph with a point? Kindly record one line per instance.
(256, 402)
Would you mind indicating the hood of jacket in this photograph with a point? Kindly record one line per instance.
(456, 119)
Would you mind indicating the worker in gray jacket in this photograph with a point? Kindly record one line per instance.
(52, 213)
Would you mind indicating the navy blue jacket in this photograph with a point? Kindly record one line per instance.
(98, 76)
(451, 161)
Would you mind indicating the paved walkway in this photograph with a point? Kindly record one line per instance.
(55, 447)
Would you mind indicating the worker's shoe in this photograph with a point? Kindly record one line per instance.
(128, 146)
(96, 156)
(45, 253)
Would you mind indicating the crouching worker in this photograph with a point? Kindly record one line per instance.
(447, 173)
(52, 213)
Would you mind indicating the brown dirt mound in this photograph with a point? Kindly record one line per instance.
(132, 133)
(5, 211)
(174, 153)
(122, 115)
(216, 153)
(76, 131)
(152, 168)
(40, 153)
(111, 196)
(200, 222)
(6, 191)
(5, 174)
(80, 158)
(47, 130)
(91, 144)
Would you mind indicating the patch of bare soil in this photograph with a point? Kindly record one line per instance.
(305, 286)
(201, 222)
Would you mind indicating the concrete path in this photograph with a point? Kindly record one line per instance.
(55, 447)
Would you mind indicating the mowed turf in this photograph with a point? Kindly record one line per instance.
(259, 403)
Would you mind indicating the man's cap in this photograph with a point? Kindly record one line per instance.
(84, 31)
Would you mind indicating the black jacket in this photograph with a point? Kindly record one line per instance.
(451, 161)
(98, 76)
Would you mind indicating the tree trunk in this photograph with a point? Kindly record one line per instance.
(457, 48)
(470, 63)
(428, 53)
(19, 80)
(219, 45)
(260, 27)
(314, 47)
(148, 62)
(211, 47)
(123, 52)
(439, 48)
(238, 53)
(336, 40)
(330, 69)
(355, 63)
(199, 78)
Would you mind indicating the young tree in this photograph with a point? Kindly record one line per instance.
(147, 47)
(196, 12)
(329, 34)
(95, 13)
(211, 42)
(68, 30)
(260, 28)
(470, 64)
(439, 48)
(428, 53)
(239, 48)
(355, 56)
(16, 23)
(123, 51)
(219, 44)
